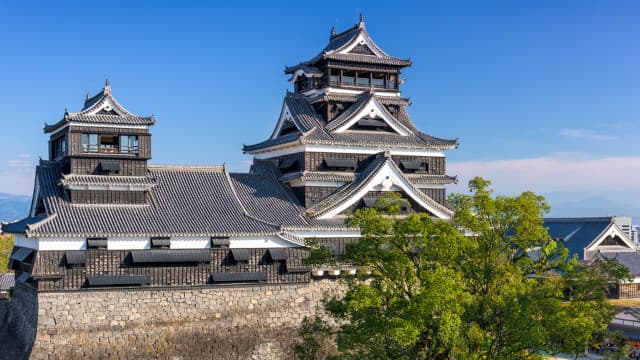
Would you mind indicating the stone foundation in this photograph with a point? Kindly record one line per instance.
(252, 322)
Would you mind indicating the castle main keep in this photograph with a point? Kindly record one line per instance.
(139, 256)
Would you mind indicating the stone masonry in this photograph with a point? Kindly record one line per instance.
(250, 322)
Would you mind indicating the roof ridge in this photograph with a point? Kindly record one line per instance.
(344, 32)
(287, 192)
(217, 168)
(244, 209)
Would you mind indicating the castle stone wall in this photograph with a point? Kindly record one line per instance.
(251, 322)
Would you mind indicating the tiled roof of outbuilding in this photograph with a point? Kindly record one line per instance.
(187, 200)
(577, 234)
(629, 259)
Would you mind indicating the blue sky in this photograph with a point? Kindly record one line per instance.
(543, 95)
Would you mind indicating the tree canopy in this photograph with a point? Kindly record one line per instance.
(489, 285)
(6, 246)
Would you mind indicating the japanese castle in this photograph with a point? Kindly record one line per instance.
(101, 216)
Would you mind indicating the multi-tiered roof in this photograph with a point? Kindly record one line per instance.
(345, 114)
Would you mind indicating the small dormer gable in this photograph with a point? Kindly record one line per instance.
(286, 125)
(296, 117)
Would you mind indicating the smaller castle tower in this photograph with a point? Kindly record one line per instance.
(102, 151)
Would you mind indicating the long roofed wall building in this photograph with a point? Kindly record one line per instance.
(101, 216)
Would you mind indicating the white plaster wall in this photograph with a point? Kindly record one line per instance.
(127, 243)
(70, 243)
(190, 242)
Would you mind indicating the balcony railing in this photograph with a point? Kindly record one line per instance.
(350, 81)
(109, 149)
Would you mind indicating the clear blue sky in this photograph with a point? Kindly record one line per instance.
(544, 95)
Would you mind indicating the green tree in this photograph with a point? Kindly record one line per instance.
(492, 285)
(6, 246)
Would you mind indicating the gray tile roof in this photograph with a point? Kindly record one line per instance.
(431, 179)
(346, 191)
(577, 233)
(303, 114)
(386, 100)
(106, 180)
(311, 70)
(22, 225)
(188, 200)
(171, 255)
(90, 113)
(340, 41)
(264, 197)
(629, 259)
(7, 281)
(334, 176)
(315, 131)
(319, 176)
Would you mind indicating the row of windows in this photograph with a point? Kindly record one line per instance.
(110, 144)
(158, 243)
(359, 78)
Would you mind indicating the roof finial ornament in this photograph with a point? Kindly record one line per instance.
(333, 31)
(107, 86)
(361, 24)
(87, 97)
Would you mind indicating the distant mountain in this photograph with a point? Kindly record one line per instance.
(14, 207)
(595, 203)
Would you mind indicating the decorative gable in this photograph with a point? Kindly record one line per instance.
(362, 49)
(381, 176)
(286, 125)
(369, 114)
(611, 239)
(362, 44)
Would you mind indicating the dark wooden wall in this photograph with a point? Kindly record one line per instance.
(311, 195)
(144, 139)
(51, 272)
(108, 197)
(315, 161)
(91, 165)
(314, 194)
